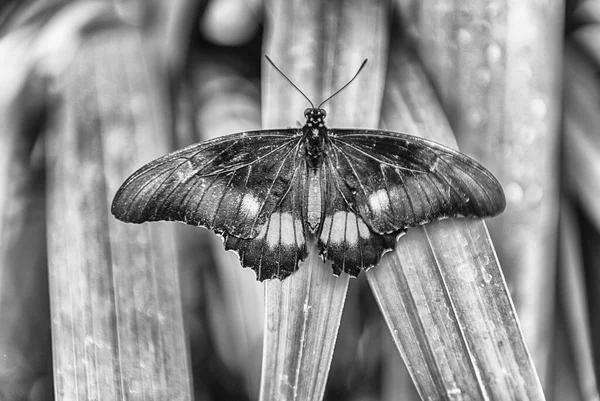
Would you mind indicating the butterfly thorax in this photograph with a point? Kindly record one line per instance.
(315, 133)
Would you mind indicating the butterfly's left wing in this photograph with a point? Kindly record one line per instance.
(380, 183)
(244, 186)
(281, 244)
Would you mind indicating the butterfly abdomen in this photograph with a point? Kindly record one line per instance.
(314, 199)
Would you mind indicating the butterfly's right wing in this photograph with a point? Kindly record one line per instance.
(400, 181)
(381, 183)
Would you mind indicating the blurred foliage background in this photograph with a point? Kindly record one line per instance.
(182, 71)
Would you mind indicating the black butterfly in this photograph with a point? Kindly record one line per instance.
(270, 192)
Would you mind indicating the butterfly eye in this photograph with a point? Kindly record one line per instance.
(323, 113)
(306, 112)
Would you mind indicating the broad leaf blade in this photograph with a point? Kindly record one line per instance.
(442, 292)
(497, 68)
(117, 324)
(25, 368)
(318, 45)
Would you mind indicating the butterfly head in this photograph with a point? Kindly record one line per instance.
(315, 117)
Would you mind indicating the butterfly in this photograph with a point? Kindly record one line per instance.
(271, 193)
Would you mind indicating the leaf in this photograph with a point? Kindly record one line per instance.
(318, 45)
(572, 295)
(117, 324)
(25, 342)
(228, 102)
(442, 292)
(582, 97)
(496, 66)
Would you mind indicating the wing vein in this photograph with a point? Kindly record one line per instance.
(239, 166)
(283, 161)
(356, 176)
(202, 197)
(167, 172)
(350, 145)
(487, 195)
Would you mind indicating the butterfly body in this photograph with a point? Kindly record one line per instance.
(270, 193)
(314, 137)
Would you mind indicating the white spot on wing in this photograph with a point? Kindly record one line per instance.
(250, 205)
(326, 229)
(379, 201)
(287, 230)
(351, 229)
(363, 230)
(338, 228)
(344, 227)
(279, 230)
(273, 236)
(185, 171)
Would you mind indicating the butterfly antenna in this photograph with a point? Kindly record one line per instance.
(344, 87)
(289, 80)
